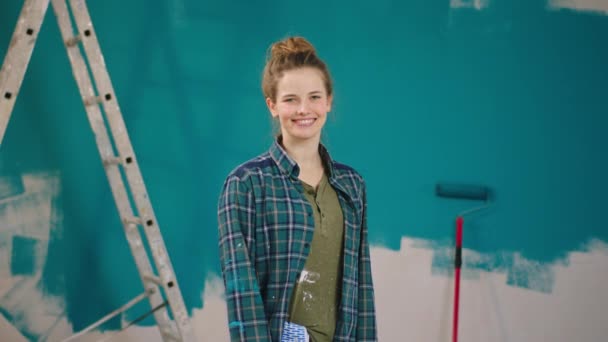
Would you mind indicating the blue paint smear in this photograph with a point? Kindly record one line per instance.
(235, 324)
(523, 273)
(23, 256)
(512, 97)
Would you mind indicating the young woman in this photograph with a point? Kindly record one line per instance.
(292, 222)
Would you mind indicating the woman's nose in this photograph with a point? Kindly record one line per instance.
(304, 107)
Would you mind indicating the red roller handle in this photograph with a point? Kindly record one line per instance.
(457, 265)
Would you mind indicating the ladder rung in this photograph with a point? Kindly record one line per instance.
(93, 100)
(112, 161)
(150, 291)
(132, 220)
(73, 41)
(155, 279)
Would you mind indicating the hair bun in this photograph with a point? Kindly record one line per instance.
(289, 54)
(291, 46)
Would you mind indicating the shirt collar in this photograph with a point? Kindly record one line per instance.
(288, 166)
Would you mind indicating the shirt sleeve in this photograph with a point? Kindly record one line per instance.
(366, 320)
(236, 219)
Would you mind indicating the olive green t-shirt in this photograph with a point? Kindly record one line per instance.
(316, 296)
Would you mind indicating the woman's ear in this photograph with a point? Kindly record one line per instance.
(272, 107)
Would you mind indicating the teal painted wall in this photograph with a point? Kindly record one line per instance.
(512, 97)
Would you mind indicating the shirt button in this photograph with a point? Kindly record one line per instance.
(307, 245)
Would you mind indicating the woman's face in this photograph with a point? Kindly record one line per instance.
(301, 104)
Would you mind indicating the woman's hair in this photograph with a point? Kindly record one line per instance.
(288, 54)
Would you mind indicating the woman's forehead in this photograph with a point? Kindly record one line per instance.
(304, 80)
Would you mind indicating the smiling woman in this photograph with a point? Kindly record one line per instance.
(292, 222)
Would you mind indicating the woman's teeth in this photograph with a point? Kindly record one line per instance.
(304, 122)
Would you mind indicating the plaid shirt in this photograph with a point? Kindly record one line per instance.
(265, 231)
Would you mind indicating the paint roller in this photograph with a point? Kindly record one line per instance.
(462, 192)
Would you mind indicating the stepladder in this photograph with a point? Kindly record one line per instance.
(160, 286)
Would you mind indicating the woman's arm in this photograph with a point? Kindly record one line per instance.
(236, 217)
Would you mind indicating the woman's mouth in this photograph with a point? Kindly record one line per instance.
(304, 122)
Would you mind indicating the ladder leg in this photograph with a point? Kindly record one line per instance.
(18, 57)
(126, 159)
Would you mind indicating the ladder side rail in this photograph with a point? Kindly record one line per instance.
(18, 57)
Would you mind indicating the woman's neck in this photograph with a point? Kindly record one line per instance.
(306, 154)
